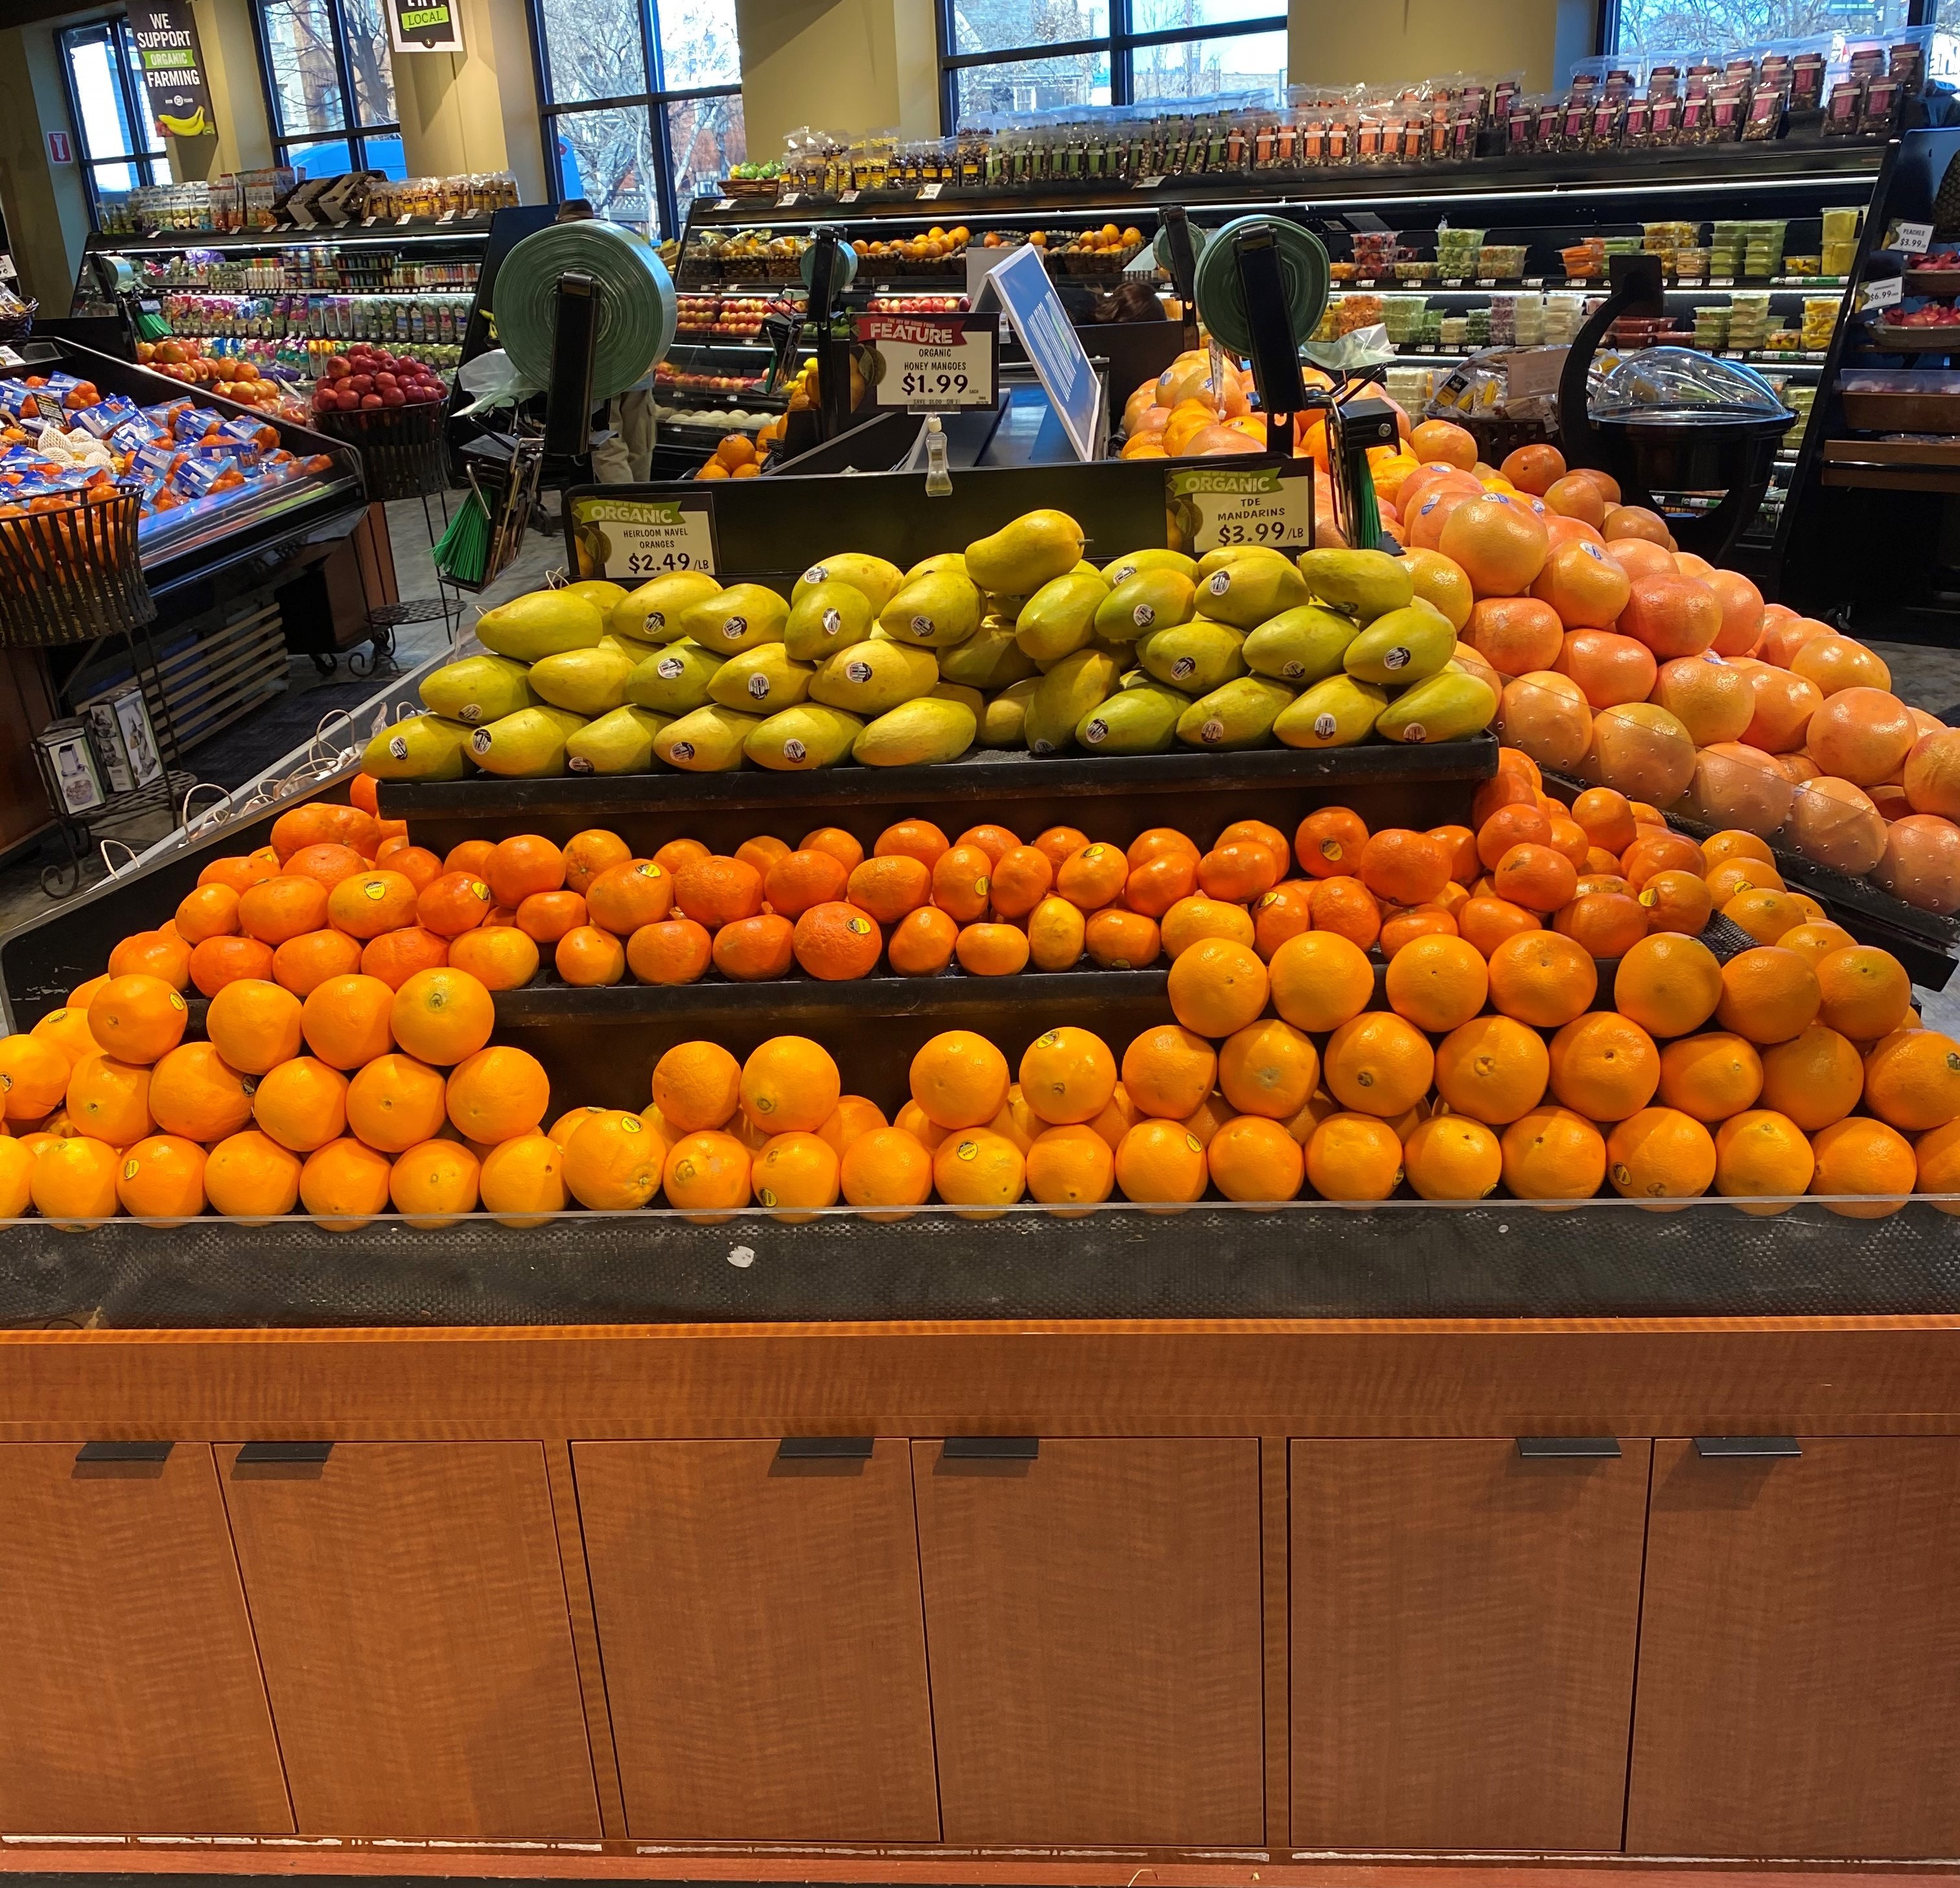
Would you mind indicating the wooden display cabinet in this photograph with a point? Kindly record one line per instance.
(986, 1602)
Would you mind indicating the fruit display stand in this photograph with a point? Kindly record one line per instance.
(1527, 213)
(1229, 1541)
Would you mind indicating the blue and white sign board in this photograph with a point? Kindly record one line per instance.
(1020, 287)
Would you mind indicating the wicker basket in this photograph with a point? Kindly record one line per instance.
(73, 573)
(18, 325)
(400, 447)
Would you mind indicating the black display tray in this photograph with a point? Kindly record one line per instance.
(1112, 798)
(1500, 1260)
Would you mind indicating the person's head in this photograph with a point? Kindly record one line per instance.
(575, 209)
(1132, 299)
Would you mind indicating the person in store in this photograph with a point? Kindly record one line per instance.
(622, 430)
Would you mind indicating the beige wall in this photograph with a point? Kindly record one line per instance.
(478, 110)
(1337, 42)
(849, 65)
(46, 204)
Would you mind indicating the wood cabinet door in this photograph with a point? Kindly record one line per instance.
(412, 1621)
(1800, 1670)
(764, 1655)
(130, 1697)
(1464, 1625)
(1093, 1627)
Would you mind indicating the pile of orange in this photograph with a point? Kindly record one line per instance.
(356, 1097)
(1635, 665)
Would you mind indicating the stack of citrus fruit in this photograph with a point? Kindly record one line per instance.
(1642, 667)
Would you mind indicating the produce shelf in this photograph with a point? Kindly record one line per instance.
(1502, 1259)
(1204, 787)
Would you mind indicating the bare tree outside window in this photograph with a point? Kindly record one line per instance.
(1665, 25)
(329, 85)
(630, 141)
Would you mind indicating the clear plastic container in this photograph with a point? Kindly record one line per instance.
(1678, 384)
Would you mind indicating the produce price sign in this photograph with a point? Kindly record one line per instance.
(643, 538)
(931, 363)
(1219, 506)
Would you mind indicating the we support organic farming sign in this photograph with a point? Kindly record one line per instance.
(930, 363)
(425, 26)
(1223, 504)
(173, 67)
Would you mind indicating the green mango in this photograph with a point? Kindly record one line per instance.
(826, 618)
(1239, 714)
(420, 747)
(737, 619)
(1236, 553)
(958, 692)
(676, 681)
(874, 578)
(1365, 584)
(1025, 552)
(1248, 590)
(1141, 720)
(1004, 725)
(933, 612)
(652, 613)
(1149, 600)
(540, 623)
(1115, 572)
(708, 741)
(1060, 617)
(604, 596)
(528, 745)
(620, 743)
(760, 681)
(587, 681)
(1069, 690)
(1447, 706)
(1302, 645)
(1403, 647)
(802, 738)
(933, 566)
(990, 658)
(1195, 657)
(917, 733)
(479, 688)
(874, 677)
(1335, 713)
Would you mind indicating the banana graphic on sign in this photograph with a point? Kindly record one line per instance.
(197, 125)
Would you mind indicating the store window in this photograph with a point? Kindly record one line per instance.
(115, 137)
(329, 88)
(643, 103)
(1631, 26)
(1021, 55)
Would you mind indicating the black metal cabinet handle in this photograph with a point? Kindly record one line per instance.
(991, 1449)
(824, 1449)
(1567, 1448)
(1746, 1448)
(124, 1452)
(251, 1452)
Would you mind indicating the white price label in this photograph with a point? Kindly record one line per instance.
(724, 203)
(1885, 293)
(1215, 509)
(1150, 183)
(928, 192)
(407, 216)
(1534, 282)
(847, 196)
(368, 222)
(7, 270)
(931, 363)
(788, 201)
(1721, 281)
(643, 537)
(1452, 281)
(447, 216)
(1486, 282)
(1911, 238)
(9, 358)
